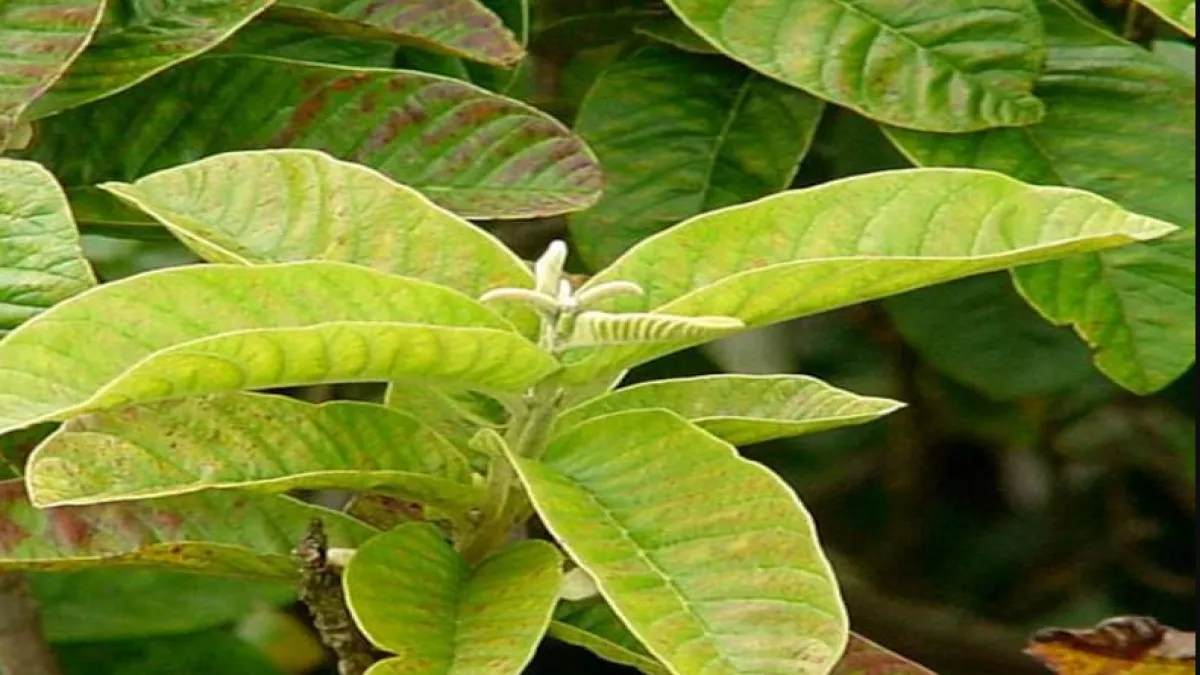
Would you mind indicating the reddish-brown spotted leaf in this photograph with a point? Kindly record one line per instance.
(864, 657)
(465, 28)
(40, 38)
(243, 535)
(1126, 645)
(471, 151)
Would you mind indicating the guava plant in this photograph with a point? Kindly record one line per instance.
(663, 548)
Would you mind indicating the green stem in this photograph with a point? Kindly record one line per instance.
(526, 437)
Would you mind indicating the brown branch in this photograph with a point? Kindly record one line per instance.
(23, 648)
(321, 592)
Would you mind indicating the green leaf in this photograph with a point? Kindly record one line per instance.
(133, 341)
(670, 30)
(679, 134)
(114, 604)
(853, 240)
(741, 409)
(98, 212)
(464, 28)
(136, 40)
(603, 328)
(453, 413)
(335, 210)
(591, 624)
(709, 559)
(471, 151)
(41, 38)
(280, 444)
(191, 654)
(413, 595)
(41, 262)
(981, 333)
(1135, 305)
(1178, 13)
(243, 535)
(864, 657)
(267, 38)
(933, 65)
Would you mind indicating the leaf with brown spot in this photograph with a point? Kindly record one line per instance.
(242, 535)
(1125, 645)
(476, 153)
(135, 40)
(40, 40)
(464, 28)
(863, 657)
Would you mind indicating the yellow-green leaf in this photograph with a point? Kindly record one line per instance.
(708, 559)
(416, 597)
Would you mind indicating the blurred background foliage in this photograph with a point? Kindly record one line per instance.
(1019, 489)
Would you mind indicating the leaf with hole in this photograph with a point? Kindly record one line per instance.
(708, 558)
(807, 251)
(934, 65)
(41, 261)
(414, 596)
(253, 328)
(280, 444)
(1136, 305)
(335, 211)
(464, 28)
(741, 409)
(471, 151)
(244, 535)
(734, 136)
(136, 40)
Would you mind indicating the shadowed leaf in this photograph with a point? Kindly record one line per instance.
(465, 28)
(591, 624)
(1136, 305)
(680, 134)
(864, 657)
(135, 40)
(933, 65)
(40, 40)
(471, 151)
(1178, 13)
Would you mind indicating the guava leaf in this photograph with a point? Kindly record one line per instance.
(247, 441)
(263, 37)
(471, 151)
(734, 136)
(845, 242)
(864, 657)
(934, 65)
(41, 38)
(243, 535)
(114, 604)
(136, 40)
(413, 595)
(134, 341)
(707, 558)
(981, 333)
(464, 28)
(1127, 645)
(741, 409)
(1135, 305)
(1179, 13)
(334, 210)
(41, 262)
(591, 624)
(670, 30)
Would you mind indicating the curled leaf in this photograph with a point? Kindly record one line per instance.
(1124, 645)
